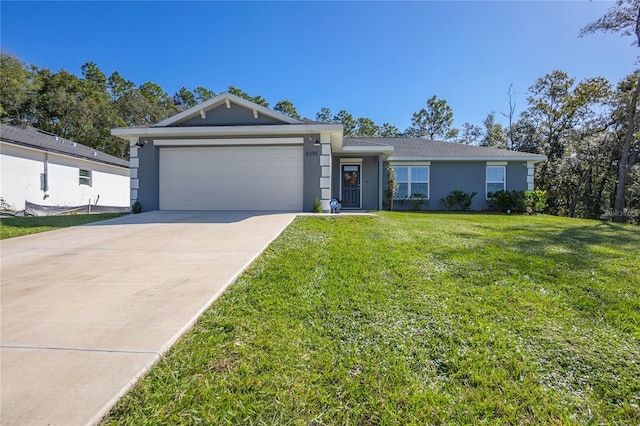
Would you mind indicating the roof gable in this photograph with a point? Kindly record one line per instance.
(227, 109)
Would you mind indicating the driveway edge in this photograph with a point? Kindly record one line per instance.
(102, 413)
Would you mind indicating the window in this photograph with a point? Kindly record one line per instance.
(85, 177)
(495, 179)
(413, 181)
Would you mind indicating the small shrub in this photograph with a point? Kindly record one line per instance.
(417, 200)
(448, 202)
(317, 206)
(136, 207)
(392, 186)
(503, 201)
(536, 200)
(4, 206)
(466, 200)
(458, 198)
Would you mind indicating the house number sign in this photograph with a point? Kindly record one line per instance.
(311, 153)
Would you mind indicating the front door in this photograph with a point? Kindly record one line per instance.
(351, 186)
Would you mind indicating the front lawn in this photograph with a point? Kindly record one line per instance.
(17, 226)
(414, 318)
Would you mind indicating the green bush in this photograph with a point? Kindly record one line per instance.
(448, 202)
(136, 207)
(418, 200)
(536, 200)
(317, 206)
(518, 201)
(507, 201)
(458, 198)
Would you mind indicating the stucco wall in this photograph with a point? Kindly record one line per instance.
(21, 170)
(517, 176)
(470, 176)
(312, 172)
(145, 180)
(369, 180)
(466, 176)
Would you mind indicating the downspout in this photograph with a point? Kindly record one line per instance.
(45, 176)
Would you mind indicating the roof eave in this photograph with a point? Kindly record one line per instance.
(271, 129)
(536, 158)
(367, 149)
(65, 154)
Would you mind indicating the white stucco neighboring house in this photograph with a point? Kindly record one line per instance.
(45, 169)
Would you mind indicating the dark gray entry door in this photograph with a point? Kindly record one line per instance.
(351, 186)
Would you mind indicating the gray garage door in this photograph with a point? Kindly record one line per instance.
(231, 178)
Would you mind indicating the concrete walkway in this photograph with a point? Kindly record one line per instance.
(86, 311)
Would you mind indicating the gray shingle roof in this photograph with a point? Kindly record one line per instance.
(366, 142)
(425, 148)
(34, 138)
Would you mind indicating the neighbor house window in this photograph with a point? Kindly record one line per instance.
(85, 177)
(413, 181)
(495, 179)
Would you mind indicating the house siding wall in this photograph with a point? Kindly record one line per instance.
(20, 180)
(517, 176)
(148, 191)
(312, 172)
(369, 180)
(148, 175)
(465, 176)
(469, 176)
(223, 116)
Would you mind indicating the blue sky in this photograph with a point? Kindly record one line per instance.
(380, 60)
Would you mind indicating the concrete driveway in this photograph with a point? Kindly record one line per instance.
(87, 310)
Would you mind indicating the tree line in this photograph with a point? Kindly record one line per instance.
(589, 130)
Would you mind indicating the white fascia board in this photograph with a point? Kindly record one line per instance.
(410, 163)
(225, 98)
(538, 158)
(350, 160)
(229, 142)
(272, 129)
(366, 149)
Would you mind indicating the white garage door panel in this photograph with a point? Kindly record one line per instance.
(231, 178)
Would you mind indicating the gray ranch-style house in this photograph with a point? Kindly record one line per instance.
(232, 154)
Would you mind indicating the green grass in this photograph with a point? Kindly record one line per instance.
(412, 318)
(18, 226)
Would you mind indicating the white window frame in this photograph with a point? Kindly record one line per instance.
(487, 181)
(88, 179)
(409, 181)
